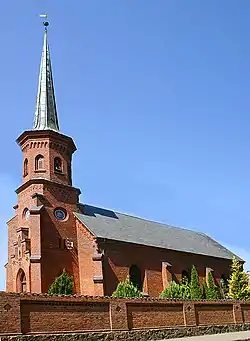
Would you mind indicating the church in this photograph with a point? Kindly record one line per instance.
(51, 230)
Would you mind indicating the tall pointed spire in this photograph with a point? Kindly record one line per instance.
(46, 114)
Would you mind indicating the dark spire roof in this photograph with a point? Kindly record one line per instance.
(46, 114)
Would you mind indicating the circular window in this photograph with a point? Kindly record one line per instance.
(60, 214)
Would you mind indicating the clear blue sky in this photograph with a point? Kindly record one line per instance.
(156, 95)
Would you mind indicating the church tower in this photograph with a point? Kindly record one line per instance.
(42, 234)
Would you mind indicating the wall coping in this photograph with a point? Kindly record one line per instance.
(38, 296)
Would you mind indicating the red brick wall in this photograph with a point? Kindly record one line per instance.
(86, 250)
(10, 315)
(48, 314)
(246, 313)
(10, 285)
(41, 316)
(155, 315)
(206, 314)
(55, 257)
(120, 256)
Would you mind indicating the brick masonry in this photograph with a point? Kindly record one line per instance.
(44, 314)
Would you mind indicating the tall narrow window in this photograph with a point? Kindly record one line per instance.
(57, 165)
(69, 174)
(135, 276)
(39, 162)
(25, 167)
(21, 281)
(185, 275)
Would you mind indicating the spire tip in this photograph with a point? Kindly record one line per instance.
(45, 23)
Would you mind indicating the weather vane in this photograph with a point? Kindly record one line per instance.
(45, 23)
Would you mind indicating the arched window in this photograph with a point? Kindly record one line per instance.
(223, 286)
(223, 280)
(39, 162)
(26, 213)
(57, 165)
(21, 281)
(25, 167)
(135, 276)
(69, 174)
(185, 274)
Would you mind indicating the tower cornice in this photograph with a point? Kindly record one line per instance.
(46, 182)
(40, 134)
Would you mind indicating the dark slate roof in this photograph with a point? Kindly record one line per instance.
(122, 227)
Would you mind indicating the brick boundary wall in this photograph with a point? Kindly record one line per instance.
(44, 314)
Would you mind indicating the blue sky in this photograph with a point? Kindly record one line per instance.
(156, 95)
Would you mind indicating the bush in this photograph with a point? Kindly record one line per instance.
(186, 288)
(212, 290)
(127, 289)
(195, 288)
(63, 285)
(238, 282)
(175, 290)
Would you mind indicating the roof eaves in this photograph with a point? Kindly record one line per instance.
(171, 249)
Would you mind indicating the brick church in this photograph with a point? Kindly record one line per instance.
(51, 230)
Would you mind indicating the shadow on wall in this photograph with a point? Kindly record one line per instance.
(55, 262)
(110, 281)
(92, 211)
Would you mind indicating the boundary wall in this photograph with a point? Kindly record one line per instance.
(45, 314)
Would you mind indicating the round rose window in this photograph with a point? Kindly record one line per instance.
(60, 214)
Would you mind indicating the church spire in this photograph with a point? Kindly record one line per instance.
(46, 114)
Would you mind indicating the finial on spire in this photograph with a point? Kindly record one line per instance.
(45, 23)
(46, 113)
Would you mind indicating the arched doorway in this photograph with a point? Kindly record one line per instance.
(21, 281)
(185, 275)
(135, 276)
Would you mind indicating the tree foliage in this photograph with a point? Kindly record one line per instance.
(212, 289)
(127, 289)
(186, 288)
(176, 290)
(63, 285)
(238, 282)
(195, 288)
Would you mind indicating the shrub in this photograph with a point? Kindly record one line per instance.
(175, 290)
(195, 288)
(186, 288)
(238, 282)
(63, 285)
(127, 289)
(212, 290)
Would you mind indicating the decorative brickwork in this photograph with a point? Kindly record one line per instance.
(50, 314)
